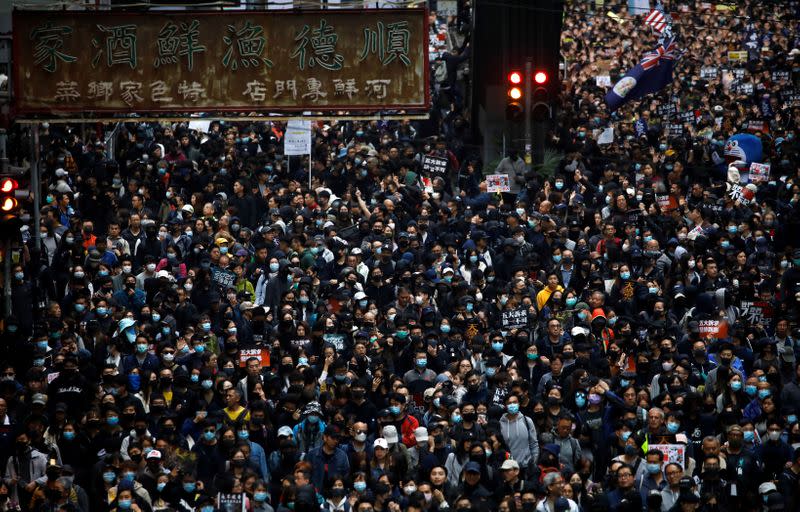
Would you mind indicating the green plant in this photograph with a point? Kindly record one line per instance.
(550, 162)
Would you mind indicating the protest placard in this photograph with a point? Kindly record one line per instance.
(514, 319)
(230, 502)
(712, 329)
(672, 452)
(759, 172)
(709, 73)
(262, 354)
(666, 202)
(224, 278)
(603, 80)
(434, 166)
(498, 183)
(737, 56)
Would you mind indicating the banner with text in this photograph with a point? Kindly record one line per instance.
(68, 61)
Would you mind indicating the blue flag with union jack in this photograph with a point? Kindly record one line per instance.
(651, 74)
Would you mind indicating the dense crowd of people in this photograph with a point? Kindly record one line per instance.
(199, 329)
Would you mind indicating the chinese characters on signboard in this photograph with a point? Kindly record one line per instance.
(189, 61)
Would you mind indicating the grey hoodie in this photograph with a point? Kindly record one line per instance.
(520, 436)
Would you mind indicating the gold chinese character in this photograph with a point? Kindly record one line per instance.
(158, 92)
(131, 92)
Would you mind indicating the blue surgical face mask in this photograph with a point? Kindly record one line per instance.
(360, 486)
(673, 427)
(134, 381)
(302, 361)
(160, 486)
(736, 385)
(763, 393)
(109, 477)
(243, 434)
(200, 349)
(273, 267)
(209, 436)
(206, 326)
(206, 384)
(470, 307)
(512, 408)
(749, 436)
(125, 504)
(394, 409)
(653, 290)
(792, 418)
(455, 418)
(422, 362)
(497, 346)
(130, 334)
(473, 259)
(490, 372)
(165, 330)
(625, 275)
(624, 383)
(445, 328)
(571, 301)
(751, 390)
(189, 486)
(653, 468)
(69, 435)
(580, 401)
(557, 258)
(260, 496)
(532, 357)
(625, 436)
(112, 421)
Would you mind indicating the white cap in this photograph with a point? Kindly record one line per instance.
(285, 431)
(390, 434)
(360, 295)
(381, 442)
(421, 434)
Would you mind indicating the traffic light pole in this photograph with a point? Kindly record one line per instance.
(528, 93)
(35, 187)
(7, 245)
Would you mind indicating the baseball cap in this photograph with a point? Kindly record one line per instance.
(472, 467)
(390, 434)
(381, 443)
(39, 399)
(154, 454)
(421, 434)
(285, 431)
(509, 464)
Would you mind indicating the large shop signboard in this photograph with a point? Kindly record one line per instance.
(361, 60)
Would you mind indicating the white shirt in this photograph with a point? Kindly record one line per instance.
(544, 506)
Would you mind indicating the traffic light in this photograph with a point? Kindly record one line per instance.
(515, 104)
(10, 208)
(541, 108)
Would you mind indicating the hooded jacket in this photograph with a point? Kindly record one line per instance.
(520, 436)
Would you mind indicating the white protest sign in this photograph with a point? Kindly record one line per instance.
(297, 140)
(759, 172)
(606, 137)
(498, 183)
(200, 125)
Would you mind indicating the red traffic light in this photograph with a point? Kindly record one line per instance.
(540, 77)
(7, 185)
(8, 204)
(515, 77)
